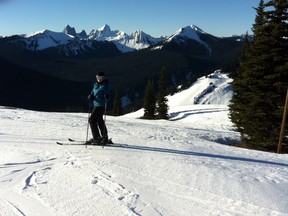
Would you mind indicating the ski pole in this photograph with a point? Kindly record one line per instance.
(88, 124)
(105, 110)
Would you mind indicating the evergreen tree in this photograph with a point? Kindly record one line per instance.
(162, 106)
(278, 26)
(238, 102)
(255, 118)
(117, 104)
(260, 87)
(149, 102)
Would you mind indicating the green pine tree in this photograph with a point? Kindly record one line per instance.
(261, 82)
(278, 26)
(238, 102)
(162, 101)
(149, 102)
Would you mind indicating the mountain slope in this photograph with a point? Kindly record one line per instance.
(213, 89)
(180, 167)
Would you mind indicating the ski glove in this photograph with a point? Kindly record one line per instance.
(91, 97)
(106, 96)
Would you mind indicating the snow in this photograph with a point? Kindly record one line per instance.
(47, 38)
(184, 166)
(191, 32)
(213, 89)
(124, 42)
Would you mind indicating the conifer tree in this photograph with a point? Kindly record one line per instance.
(117, 104)
(260, 87)
(238, 102)
(255, 117)
(278, 26)
(162, 106)
(149, 101)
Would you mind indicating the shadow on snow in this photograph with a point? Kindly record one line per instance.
(198, 154)
(175, 116)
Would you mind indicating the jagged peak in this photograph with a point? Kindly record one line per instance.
(138, 33)
(105, 28)
(69, 30)
(82, 33)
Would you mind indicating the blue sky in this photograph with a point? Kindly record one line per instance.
(154, 17)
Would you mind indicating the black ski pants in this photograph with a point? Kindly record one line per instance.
(97, 123)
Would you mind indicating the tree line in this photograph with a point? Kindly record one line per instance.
(155, 107)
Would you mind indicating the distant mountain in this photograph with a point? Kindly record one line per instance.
(189, 32)
(70, 31)
(44, 39)
(128, 60)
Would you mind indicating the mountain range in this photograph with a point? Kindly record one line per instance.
(77, 41)
(125, 43)
(128, 60)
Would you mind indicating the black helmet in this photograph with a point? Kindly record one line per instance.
(100, 74)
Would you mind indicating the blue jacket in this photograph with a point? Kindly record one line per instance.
(100, 91)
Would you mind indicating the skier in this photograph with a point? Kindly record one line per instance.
(98, 97)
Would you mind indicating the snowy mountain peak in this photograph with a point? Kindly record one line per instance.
(82, 34)
(105, 28)
(103, 33)
(124, 42)
(191, 32)
(44, 39)
(141, 36)
(196, 28)
(69, 30)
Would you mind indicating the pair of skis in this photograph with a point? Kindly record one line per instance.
(75, 142)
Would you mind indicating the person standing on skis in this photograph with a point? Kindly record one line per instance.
(98, 97)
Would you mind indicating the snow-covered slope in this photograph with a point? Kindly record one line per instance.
(177, 167)
(213, 89)
(44, 39)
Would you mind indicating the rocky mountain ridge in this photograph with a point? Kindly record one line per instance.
(77, 43)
